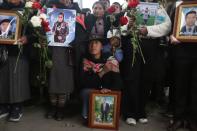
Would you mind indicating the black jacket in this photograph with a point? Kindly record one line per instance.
(90, 79)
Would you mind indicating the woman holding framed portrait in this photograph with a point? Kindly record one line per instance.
(14, 80)
(184, 57)
(61, 79)
(99, 71)
(140, 78)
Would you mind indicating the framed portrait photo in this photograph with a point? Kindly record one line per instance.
(147, 13)
(10, 27)
(62, 23)
(185, 24)
(104, 110)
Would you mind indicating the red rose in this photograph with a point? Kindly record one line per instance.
(111, 9)
(36, 5)
(123, 20)
(45, 25)
(133, 3)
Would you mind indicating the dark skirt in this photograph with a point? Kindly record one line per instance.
(14, 85)
(62, 74)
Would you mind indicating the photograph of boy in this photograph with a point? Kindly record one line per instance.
(5, 29)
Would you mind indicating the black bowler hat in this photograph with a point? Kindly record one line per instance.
(96, 37)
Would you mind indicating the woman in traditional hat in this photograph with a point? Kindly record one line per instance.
(99, 71)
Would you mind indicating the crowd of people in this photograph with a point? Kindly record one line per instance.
(101, 58)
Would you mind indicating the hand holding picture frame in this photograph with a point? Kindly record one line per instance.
(10, 27)
(185, 24)
(104, 110)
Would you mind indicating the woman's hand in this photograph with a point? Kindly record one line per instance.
(105, 90)
(143, 31)
(174, 40)
(23, 40)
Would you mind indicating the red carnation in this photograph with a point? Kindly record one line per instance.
(36, 5)
(133, 3)
(45, 25)
(123, 20)
(111, 9)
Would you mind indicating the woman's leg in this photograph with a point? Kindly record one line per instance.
(85, 100)
(52, 106)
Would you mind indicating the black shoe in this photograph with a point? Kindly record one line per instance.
(85, 121)
(193, 126)
(175, 126)
(4, 111)
(51, 112)
(15, 114)
(59, 114)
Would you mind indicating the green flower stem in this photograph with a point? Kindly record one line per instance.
(19, 54)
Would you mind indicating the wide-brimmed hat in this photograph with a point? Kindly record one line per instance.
(114, 33)
(96, 37)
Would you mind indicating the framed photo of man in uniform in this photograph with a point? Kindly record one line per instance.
(62, 23)
(10, 27)
(104, 110)
(185, 24)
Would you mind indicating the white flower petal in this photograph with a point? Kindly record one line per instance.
(28, 4)
(43, 16)
(36, 21)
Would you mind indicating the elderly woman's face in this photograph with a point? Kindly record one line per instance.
(65, 2)
(15, 2)
(105, 3)
(98, 10)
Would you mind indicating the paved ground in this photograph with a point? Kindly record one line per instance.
(34, 120)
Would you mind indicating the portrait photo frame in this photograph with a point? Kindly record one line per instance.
(10, 26)
(147, 13)
(104, 110)
(181, 31)
(62, 23)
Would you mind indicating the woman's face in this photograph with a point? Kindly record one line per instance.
(117, 7)
(60, 18)
(15, 2)
(65, 2)
(98, 10)
(105, 3)
(95, 47)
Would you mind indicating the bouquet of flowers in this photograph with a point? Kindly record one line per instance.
(129, 26)
(33, 15)
(111, 14)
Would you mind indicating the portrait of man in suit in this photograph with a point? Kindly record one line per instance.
(5, 31)
(105, 108)
(190, 28)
